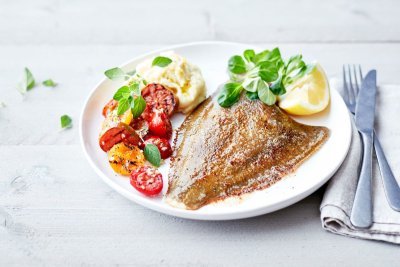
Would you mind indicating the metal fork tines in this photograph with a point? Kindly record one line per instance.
(352, 80)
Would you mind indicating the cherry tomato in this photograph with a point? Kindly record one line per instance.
(161, 143)
(147, 180)
(160, 124)
(141, 126)
(158, 98)
(109, 107)
(121, 133)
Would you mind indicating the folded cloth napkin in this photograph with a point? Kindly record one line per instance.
(339, 196)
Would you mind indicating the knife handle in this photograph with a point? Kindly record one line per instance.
(361, 214)
(390, 184)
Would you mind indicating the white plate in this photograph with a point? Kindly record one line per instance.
(212, 59)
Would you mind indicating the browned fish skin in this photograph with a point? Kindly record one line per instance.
(221, 152)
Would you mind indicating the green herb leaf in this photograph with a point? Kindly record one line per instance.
(66, 121)
(49, 83)
(131, 73)
(236, 65)
(27, 83)
(266, 55)
(277, 87)
(252, 84)
(249, 55)
(252, 95)
(134, 88)
(266, 95)
(268, 71)
(116, 74)
(152, 154)
(264, 76)
(137, 106)
(229, 94)
(2, 104)
(123, 92)
(123, 105)
(161, 61)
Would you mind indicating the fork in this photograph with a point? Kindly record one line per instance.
(350, 93)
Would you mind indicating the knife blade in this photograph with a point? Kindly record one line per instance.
(361, 213)
(365, 108)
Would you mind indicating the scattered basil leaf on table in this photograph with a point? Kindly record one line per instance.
(66, 121)
(152, 154)
(161, 61)
(2, 104)
(27, 83)
(49, 83)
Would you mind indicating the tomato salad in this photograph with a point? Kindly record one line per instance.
(126, 138)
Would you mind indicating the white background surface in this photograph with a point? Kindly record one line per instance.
(53, 208)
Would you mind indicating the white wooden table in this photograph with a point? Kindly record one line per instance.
(54, 210)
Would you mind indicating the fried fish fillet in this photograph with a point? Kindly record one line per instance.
(222, 152)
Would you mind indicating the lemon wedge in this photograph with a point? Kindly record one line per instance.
(307, 95)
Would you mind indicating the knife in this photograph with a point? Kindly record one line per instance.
(361, 214)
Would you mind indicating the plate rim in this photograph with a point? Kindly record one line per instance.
(146, 202)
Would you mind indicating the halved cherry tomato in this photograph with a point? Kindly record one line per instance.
(147, 180)
(141, 126)
(161, 143)
(160, 124)
(121, 133)
(158, 98)
(109, 107)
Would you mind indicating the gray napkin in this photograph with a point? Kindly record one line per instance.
(339, 196)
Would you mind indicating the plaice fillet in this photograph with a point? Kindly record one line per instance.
(223, 152)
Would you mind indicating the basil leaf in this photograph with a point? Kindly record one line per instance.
(123, 105)
(27, 83)
(137, 106)
(268, 71)
(236, 65)
(266, 95)
(131, 73)
(123, 92)
(116, 74)
(229, 94)
(152, 154)
(252, 95)
(66, 121)
(134, 88)
(49, 83)
(249, 55)
(161, 61)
